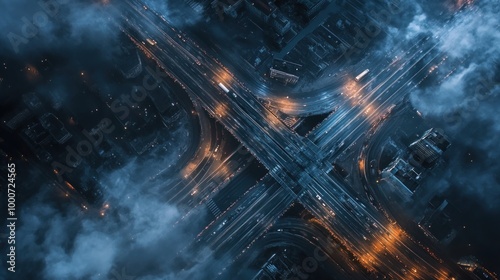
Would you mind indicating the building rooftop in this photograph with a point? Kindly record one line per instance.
(55, 127)
(403, 174)
(263, 6)
(429, 148)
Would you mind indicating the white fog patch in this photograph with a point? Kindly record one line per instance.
(474, 37)
(93, 255)
(445, 98)
(466, 103)
(65, 24)
(178, 13)
(138, 232)
(417, 26)
(474, 34)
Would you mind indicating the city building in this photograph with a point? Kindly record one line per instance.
(166, 106)
(405, 173)
(286, 78)
(427, 150)
(129, 62)
(311, 7)
(403, 176)
(14, 120)
(278, 266)
(229, 7)
(263, 9)
(36, 134)
(285, 71)
(261, 58)
(280, 23)
(32, 102)
(55, 127)
(437, 222)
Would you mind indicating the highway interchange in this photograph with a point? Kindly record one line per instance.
(300, 168)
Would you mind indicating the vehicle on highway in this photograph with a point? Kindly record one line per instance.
(224, 88)
(361, 75)
(151, 42)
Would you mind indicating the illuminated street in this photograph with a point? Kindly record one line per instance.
(256, 140)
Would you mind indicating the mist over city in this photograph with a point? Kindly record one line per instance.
(250, 139)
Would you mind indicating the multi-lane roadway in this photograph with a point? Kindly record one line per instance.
(295, 163)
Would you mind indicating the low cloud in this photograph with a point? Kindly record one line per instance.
(466, 103)
(136, 237)
(177, 12)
